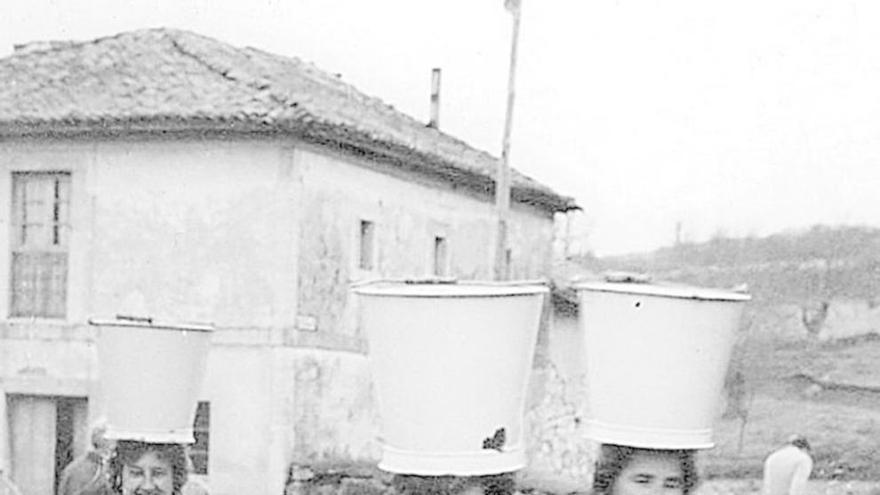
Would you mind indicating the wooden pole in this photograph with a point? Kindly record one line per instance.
(502, 179)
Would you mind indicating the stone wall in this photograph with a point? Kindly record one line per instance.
(340, 479)
(560, 454)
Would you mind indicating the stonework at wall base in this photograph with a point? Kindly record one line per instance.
(340, 479)
(560, 454)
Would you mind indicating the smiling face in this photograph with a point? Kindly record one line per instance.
(149, 475)
(650, 473)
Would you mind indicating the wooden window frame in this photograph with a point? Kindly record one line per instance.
(39, 244)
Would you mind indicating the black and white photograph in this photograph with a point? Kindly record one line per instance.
(439, 247)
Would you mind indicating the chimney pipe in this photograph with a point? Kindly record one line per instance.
(435, 99)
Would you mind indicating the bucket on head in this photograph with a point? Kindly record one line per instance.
(150, 375)
(450, 364)
(656, 358)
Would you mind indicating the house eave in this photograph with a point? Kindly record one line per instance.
(348, 141)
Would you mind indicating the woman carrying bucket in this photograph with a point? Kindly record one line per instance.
(150, 409)
(656, 357)
(622, 470)
(450, 362)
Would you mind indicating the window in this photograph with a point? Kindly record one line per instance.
(367, 245)
(198, 452)
(40, 237)
(440, 256)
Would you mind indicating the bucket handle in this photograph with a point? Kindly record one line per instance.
(509, 283)
(137, 319)
(627, 277)
(452, 281)
(407, 281)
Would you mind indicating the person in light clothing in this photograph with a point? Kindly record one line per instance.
(787, 470)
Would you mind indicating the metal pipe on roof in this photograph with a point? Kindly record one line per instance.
(435, 99)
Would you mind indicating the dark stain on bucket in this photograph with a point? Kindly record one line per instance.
(496, 441)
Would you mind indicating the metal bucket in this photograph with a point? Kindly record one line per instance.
(656, 360)
(450, 364)
(150, 375)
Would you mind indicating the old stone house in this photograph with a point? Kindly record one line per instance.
(163, 173)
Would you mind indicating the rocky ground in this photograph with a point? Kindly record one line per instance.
(370, 481)
(792, 388)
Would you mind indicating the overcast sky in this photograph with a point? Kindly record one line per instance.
(738, 118)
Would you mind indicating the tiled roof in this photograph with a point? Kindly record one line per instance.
(170, 80)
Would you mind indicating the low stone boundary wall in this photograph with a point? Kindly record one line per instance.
(368, 480)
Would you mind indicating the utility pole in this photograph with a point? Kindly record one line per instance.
(502, 178)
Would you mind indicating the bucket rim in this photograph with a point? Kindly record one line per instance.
(150, 324)
(677, 291)
(179, 435)
(449, 288)
(452, 463)
(650, 437)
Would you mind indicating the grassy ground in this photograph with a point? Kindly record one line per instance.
(843, 426)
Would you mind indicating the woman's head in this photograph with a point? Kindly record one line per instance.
(148, 468)
(622, 470)
(800, 442)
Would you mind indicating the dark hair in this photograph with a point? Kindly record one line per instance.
(800, 442)
(130, 451)
(614, 458)
(492, 484)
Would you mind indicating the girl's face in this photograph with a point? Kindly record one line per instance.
(150, 475)
(650, 474)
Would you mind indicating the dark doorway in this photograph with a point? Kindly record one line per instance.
(65, 434)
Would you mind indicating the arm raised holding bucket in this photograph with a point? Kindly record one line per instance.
(86, 475)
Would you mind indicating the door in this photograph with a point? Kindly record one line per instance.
(46, 433)
(32, 428)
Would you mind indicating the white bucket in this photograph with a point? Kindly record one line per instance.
(150, 376)
(450, 364)
(656, 360)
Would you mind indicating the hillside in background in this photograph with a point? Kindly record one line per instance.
(795, 267)
(807, 357)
